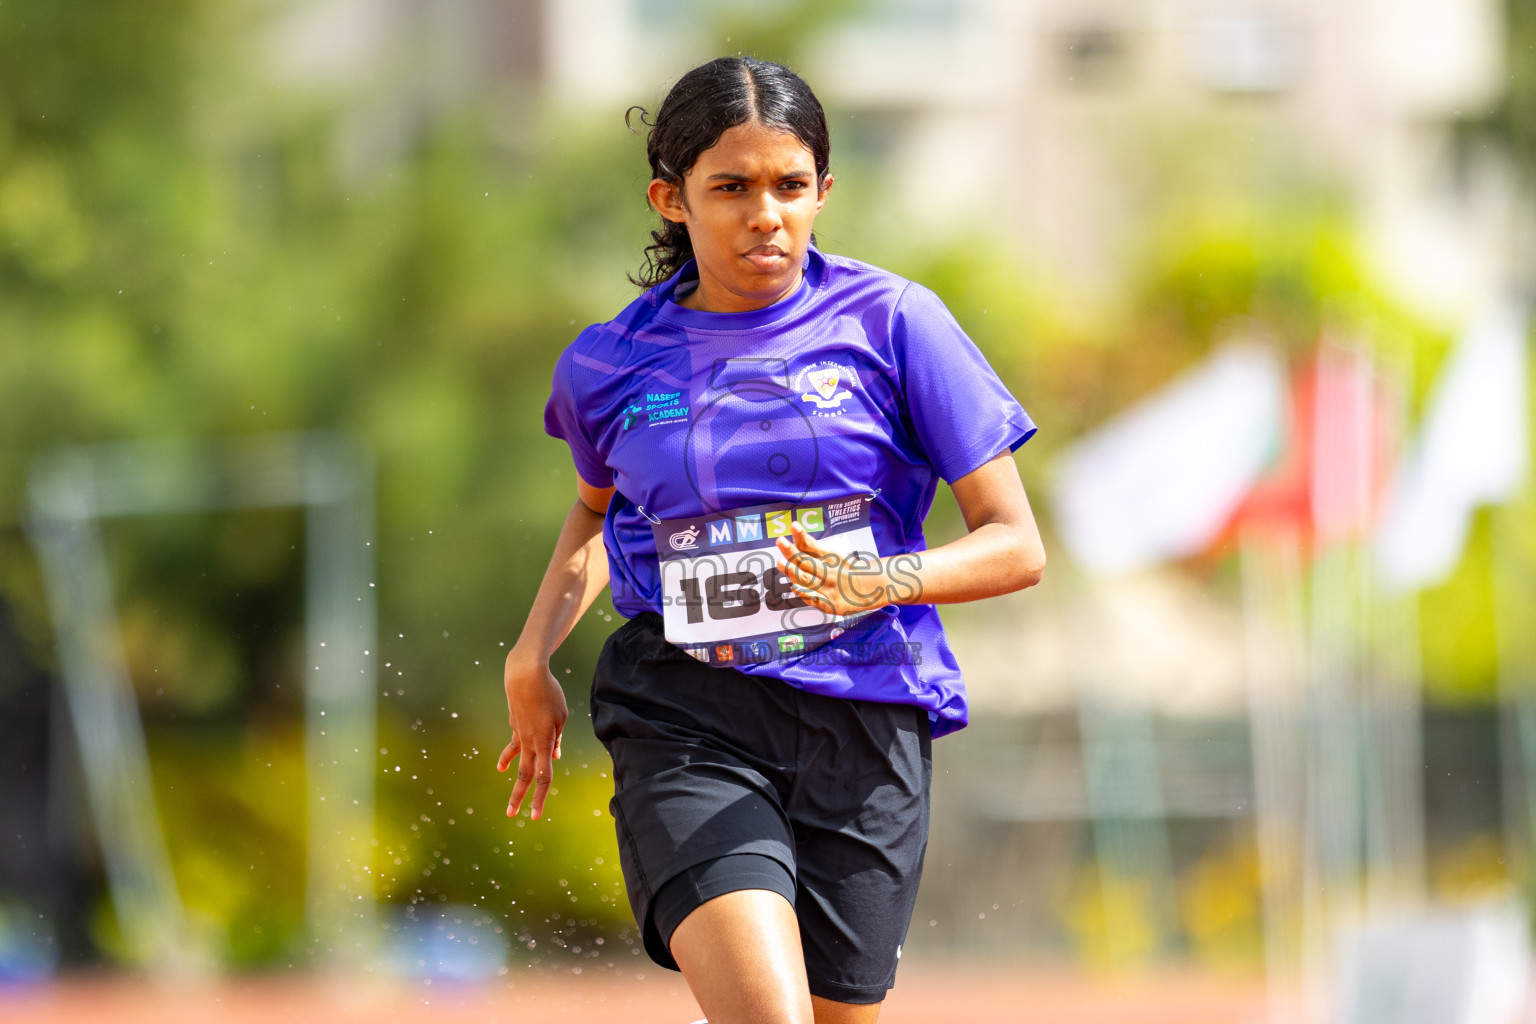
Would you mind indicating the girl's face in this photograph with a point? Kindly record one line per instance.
(749, 203)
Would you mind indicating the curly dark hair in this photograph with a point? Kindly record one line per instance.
(711, 98)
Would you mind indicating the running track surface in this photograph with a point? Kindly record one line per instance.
(931, 996)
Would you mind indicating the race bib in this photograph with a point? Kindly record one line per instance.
(723, 598)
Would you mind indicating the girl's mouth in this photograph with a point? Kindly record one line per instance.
(765, 257)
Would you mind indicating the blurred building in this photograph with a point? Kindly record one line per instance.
(1059, 119)
(1050, 111)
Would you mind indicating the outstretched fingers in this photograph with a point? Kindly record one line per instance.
(535, 771)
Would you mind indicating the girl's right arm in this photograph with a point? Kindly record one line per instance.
(536, 708)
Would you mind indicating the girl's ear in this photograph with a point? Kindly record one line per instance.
(826, 186)
(667, 199)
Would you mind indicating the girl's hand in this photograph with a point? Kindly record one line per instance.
(537, 711)
(835, 583)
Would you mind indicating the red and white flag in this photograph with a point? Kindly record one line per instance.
(1162, 479)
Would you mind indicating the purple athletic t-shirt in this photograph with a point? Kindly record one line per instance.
(840, 406)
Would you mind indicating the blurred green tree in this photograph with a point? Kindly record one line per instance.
(184, 254)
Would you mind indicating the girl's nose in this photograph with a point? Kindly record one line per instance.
(764, 215)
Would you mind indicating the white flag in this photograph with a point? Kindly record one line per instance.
(1472, 450)
(1161, 480)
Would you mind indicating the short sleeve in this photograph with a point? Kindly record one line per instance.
(961, 411)
(563, 419)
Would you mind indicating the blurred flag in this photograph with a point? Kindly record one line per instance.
(1160, 481)
(1327, 484)
(1472, 450)
(1349, 440)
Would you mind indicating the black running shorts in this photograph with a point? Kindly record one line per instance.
(710, 763)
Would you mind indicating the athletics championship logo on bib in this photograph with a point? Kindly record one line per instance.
(722, 595)
(826, 386)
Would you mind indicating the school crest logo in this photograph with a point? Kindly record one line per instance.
(827, 385)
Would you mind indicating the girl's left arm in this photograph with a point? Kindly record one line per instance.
(1001, 553)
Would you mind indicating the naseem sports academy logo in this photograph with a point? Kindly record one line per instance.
(826, 385)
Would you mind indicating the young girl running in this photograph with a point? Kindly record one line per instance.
(758, 438)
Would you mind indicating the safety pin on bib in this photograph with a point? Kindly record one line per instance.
(647, 514)
(871, 495)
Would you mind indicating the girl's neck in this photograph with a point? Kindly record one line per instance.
(711, 300)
